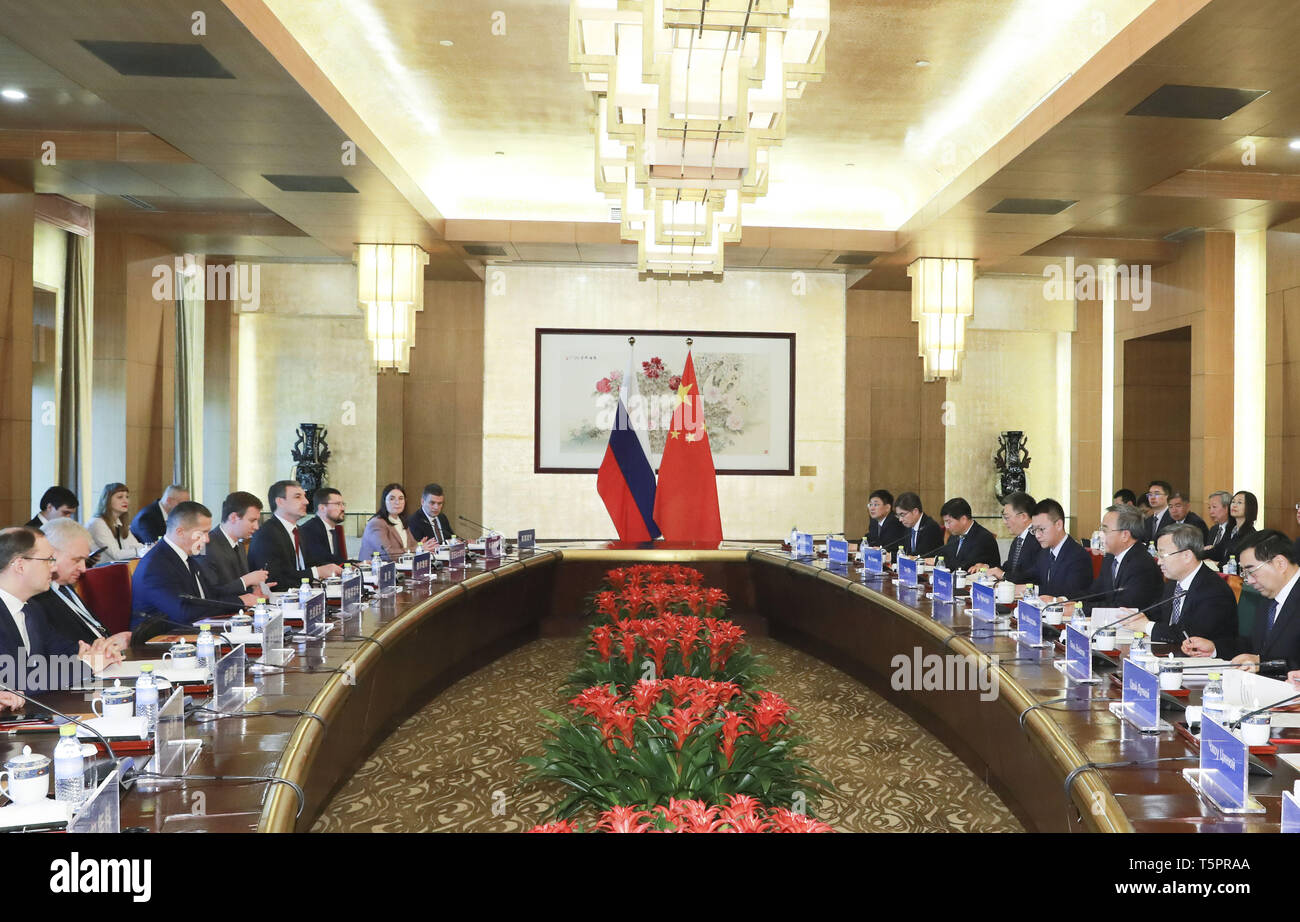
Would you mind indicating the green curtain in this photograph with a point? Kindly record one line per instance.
(74, 419)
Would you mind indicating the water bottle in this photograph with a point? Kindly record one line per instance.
(1151, 549)
(205, 647)
(69, 782)
(1079, 620)
(1231, 565)
(1099, 541)
(259, 616)
(146, 697)
(1138, 650)
(1031, 592)
(374, 566)
(1212, 699)
(304, 593)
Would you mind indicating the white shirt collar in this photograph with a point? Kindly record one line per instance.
(233, 542)
(1056, 548)
(184, 555)
(1025, 533)
(1186, 582)
(1120, 555)
(290, 527)
(13, 603)
(1281, 597)
(44, 520)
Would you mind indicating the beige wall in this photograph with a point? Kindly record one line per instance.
(520, 299)
(1016, 376)
(1282, 429)
(303, 356)
(17, 217)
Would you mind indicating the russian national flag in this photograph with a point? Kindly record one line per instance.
(626, 481)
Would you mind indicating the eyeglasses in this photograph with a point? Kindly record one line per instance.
(336, 503)
(1153, 494)
(1163, 556)
(1249, 572)
(1037, 530)
(50, 560)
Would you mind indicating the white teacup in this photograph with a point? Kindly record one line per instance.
(1004, 593)
(1171, 679)
(1052, 614)
(1104, 640)
(28, 777)
(114, 703)
(1256, 732)
(182, 656)
(240, 626)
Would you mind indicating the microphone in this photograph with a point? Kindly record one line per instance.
(123, 781)
(1085, 598)
(480, 527)
(213, 603)
(1140, 611)
(928, 553)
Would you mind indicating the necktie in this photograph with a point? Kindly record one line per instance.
(342, 546)
(1051, 559)
(194, 572)
(1178, 605)
(297, 550)
(30, 614)
(1219, 536)
(916, 533)
(1272, 617)
(1114, 573)
(77, 606)
(437, 529)
(1015, 553)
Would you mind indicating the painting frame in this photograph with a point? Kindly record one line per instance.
(779, 424)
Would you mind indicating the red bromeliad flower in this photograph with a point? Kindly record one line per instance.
(620, 722)
(731, 724)
(658, 651)
(629, 648)
(624, 819)
(607, 604)
(557, 826)
(645, 695)
(747, 822)
(724, 637)
(768, 713)
(787, 821)
(682, 721)
(679, 687)
(714, 598)
(603, 638)
(616, 578)
(596, 701)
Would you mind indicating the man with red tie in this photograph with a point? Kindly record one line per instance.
(278, 547)
(322, 537)
(225, 558)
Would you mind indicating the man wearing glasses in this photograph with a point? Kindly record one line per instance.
(1064, 566)
(1158, 499)
(1221, 525)
(1129, 578)
(28, 646)
(1021, 565)
(1268, 563)
(323, 540)
(1197, 603)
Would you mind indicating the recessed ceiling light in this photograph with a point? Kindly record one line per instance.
(446, 43)
(13, 93)
(922, 63)
(1295, 144)
(850, 164)
(499, 153)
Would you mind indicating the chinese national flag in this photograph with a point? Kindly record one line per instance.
(686, 502)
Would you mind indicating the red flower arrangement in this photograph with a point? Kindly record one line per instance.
(677, 645)
(741, 814)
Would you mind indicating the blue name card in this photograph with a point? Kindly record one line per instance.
(837, 551)
(907, 571)
(1224, 767)
(351, 590)
(1029, 624)
(984, 606)
(456, 556)
(941, 581)
(421, 566)
(314, 615)
(387, 583)
(1290, 812)
(1078, 655)
(873, 560)
(1141, 701)
(803, 544)
(527, 540)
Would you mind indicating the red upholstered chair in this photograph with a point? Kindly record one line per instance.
(107, 593)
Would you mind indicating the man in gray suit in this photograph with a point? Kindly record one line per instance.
(225, 560)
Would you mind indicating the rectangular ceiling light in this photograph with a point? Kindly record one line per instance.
(1031, 206)
(158, 59)
(289, 183)
(1177, 101)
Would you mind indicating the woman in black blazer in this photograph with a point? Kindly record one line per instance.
(1244, 510)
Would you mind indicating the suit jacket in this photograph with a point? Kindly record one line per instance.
(419, 526)
(1233, 546)
(158, 584)
(1282, 642)
(1209, 610)
(1139, 580)
(271, 549)
(149, 524)
(34, 523)
(1026, 568)
(381, 536)
(66, 622)
(889, 535)
(927, 537)
(37, 676)
(1069, 574)
(1191, 519)
(316, 544)
(223, 565)
(1219, 552)
(977, 546)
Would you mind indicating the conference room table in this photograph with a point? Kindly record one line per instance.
(380, 665)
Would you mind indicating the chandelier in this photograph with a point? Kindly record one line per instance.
(942, 301)
(390, 286)
(690, 97)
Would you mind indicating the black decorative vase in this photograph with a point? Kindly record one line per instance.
(310, 453)
(1011, 459)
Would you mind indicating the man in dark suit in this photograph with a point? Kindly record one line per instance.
(278, 548)
(885, 531)
(969, 542)
(1219, 529)
(1064, 565)
(150, 523)
(1129, 577)
(224, 560)
(65, 613)
(323, 540)
(1198, 602)
(44, 660)
(922, 534)
(430, 521)
(1021, 565)
(1269, 563)
(168, 583)
(1180, 513)
(56, 503)
(1158, 500)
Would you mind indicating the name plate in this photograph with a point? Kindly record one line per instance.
(421, 566)
(1290, 812)
(907, 571)
(100, 813)
(1141, 701)
(492, 546)
(984, 606)
(228, 681)
(803, 545)
(456, 556)
(941, 582)
(1029, 624)
(837, 551)
(1223, 777)
(387, 582)
(1078, 655)
(351, 590)
(873, 560)
(527, 540)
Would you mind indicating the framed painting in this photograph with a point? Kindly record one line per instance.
(746, 384)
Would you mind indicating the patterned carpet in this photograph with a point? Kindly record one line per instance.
(453, 766)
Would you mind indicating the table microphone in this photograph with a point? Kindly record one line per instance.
(213, 603)
(1140, 611)
(480, 527)
(929, 552)
(126, 765)
(1085, 598)
(1237, 723)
